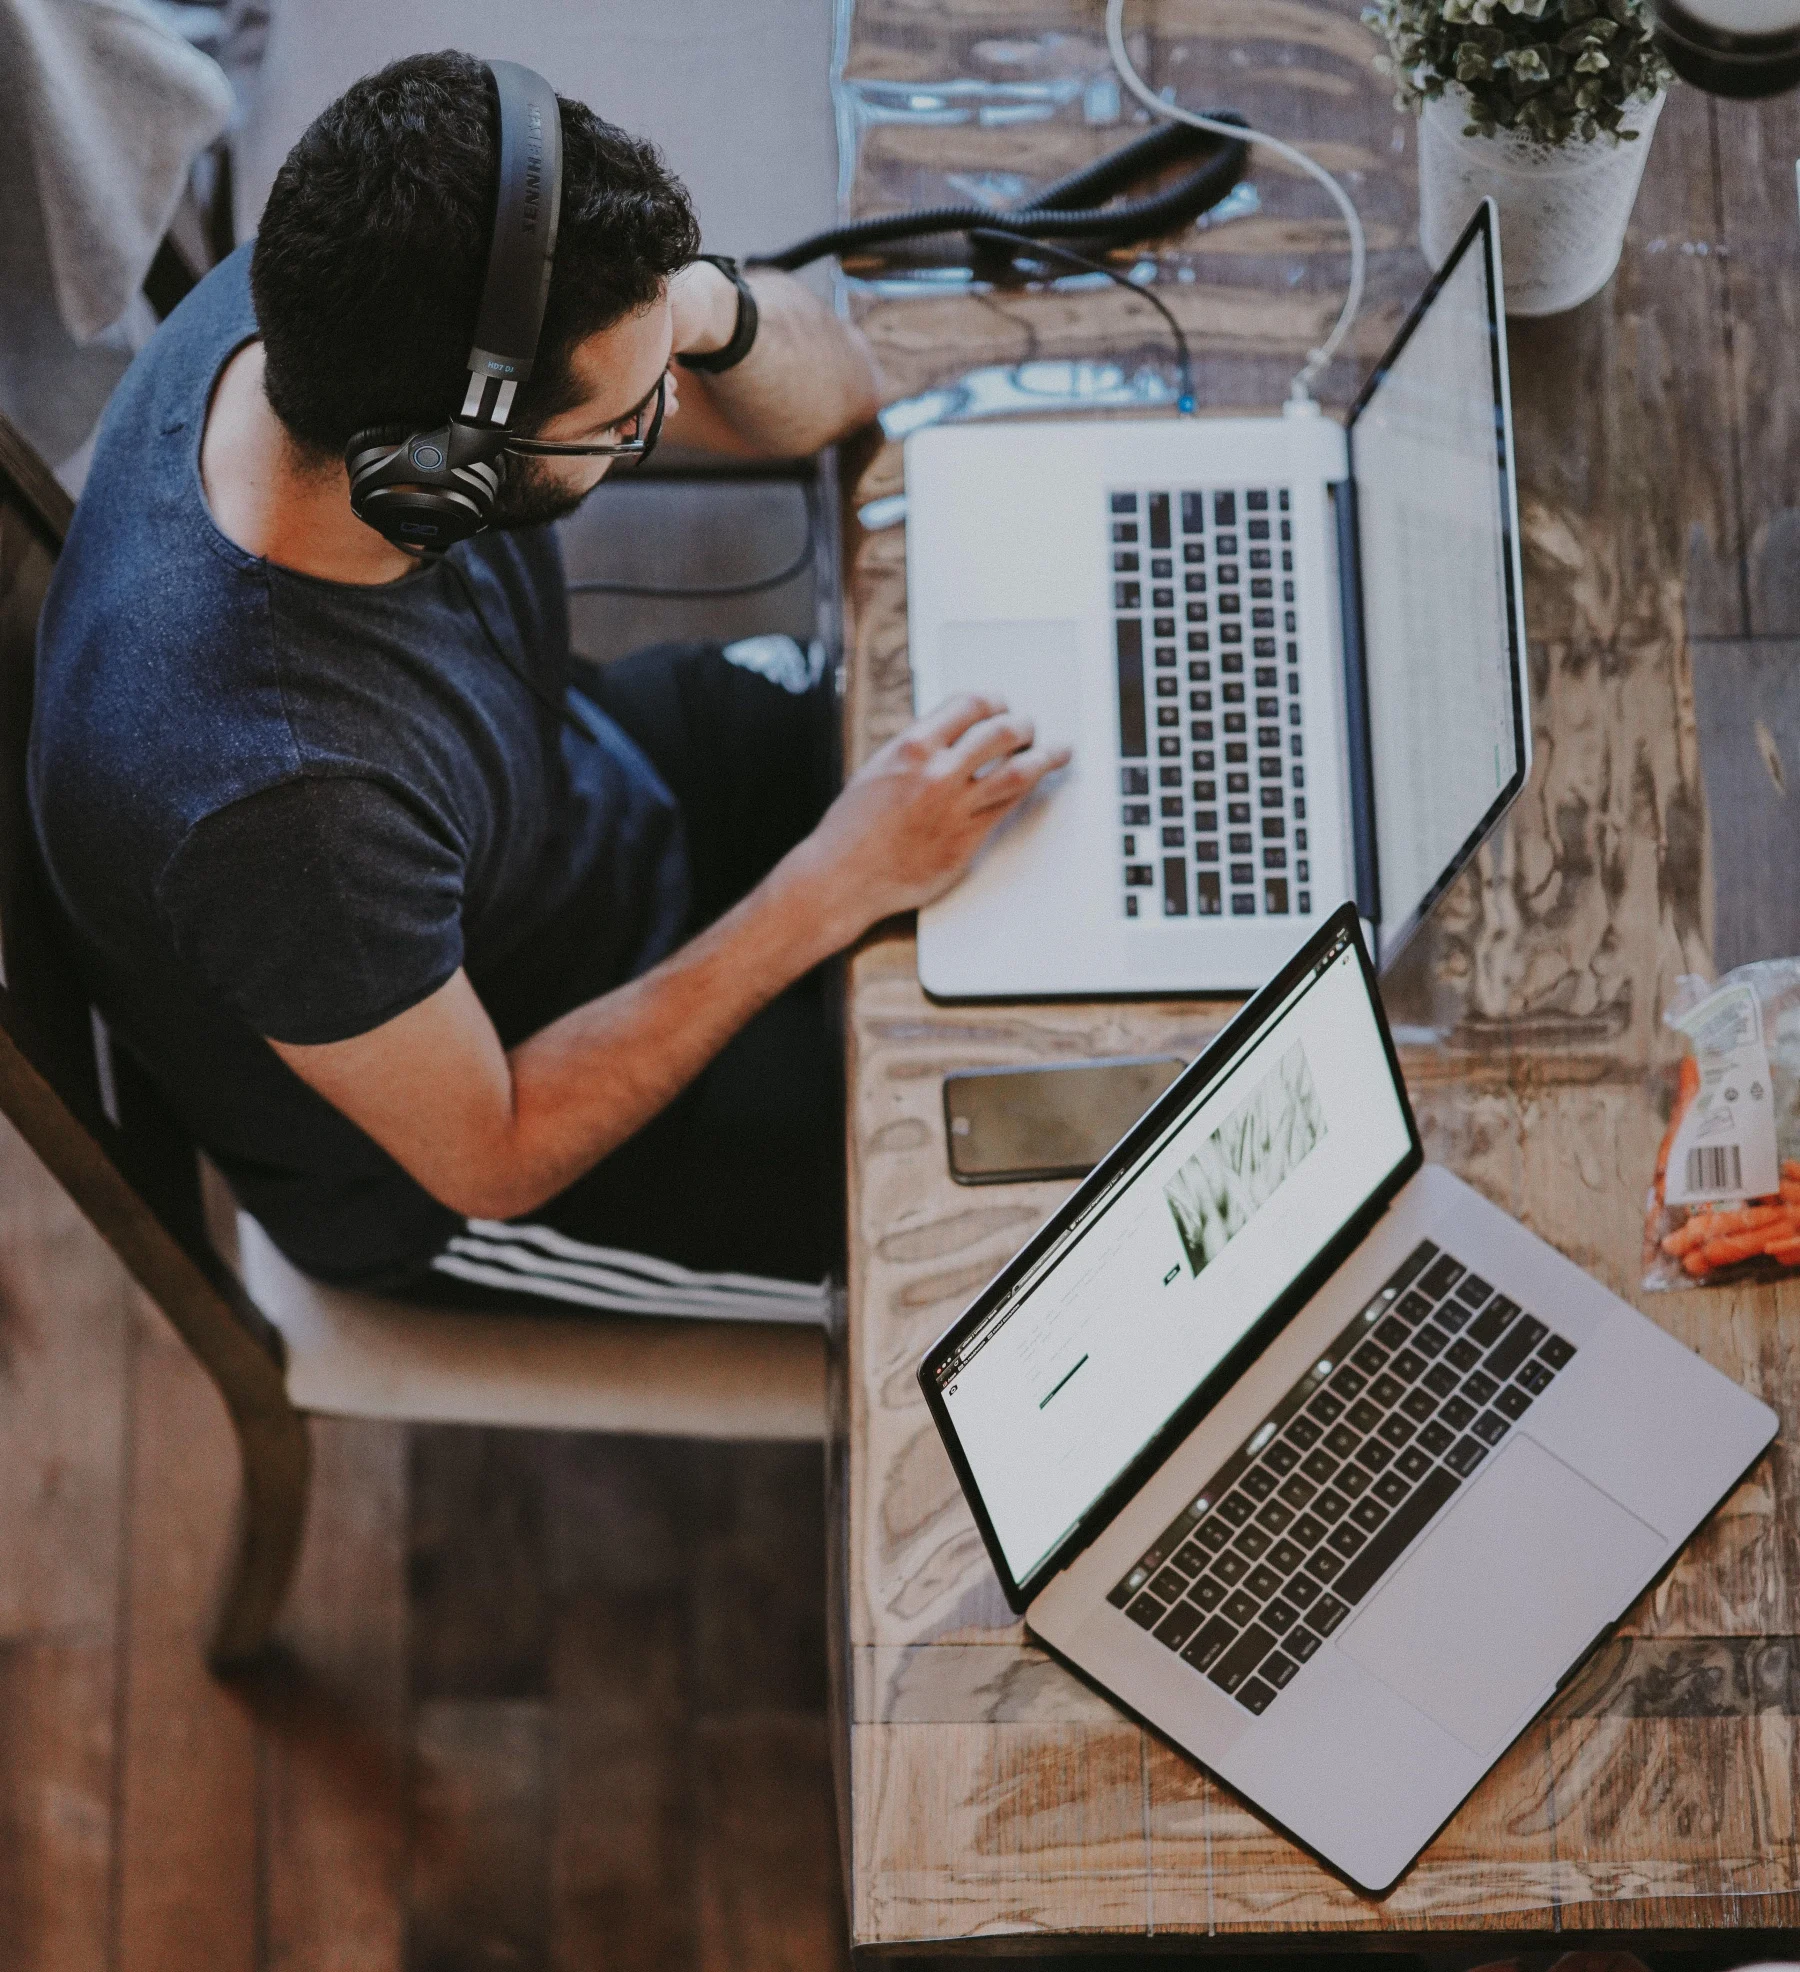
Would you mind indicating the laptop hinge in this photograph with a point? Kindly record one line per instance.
(1366, 873)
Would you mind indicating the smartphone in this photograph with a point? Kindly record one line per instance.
(1005, 1125)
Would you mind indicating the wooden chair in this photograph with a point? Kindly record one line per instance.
(276, 1343)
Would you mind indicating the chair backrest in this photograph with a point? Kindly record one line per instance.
(88, 1111)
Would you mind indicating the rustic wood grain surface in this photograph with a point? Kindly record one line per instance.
(993, 1797)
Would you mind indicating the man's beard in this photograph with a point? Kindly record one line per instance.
(528, 496)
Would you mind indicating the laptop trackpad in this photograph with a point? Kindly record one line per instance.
(1033, 667)
(1495, 1603)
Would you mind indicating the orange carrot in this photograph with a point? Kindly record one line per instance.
(1733, 1248)
(1686, 1088)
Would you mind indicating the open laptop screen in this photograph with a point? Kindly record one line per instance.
(1057, 1388)
(1434, 508)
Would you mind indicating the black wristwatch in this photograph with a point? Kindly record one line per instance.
(742, 336)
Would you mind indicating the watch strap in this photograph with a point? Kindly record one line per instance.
(711, 361)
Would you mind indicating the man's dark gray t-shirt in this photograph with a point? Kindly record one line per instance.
(277, 806)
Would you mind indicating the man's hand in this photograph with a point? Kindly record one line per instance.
(910, 821)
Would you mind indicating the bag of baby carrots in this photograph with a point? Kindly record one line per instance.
(1724, 1204)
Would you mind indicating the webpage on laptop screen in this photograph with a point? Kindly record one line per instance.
(1067, 1381)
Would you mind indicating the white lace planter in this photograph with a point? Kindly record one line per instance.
(1563, 207)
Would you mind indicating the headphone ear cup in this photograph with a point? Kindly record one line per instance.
(376, 438)
(403, 484)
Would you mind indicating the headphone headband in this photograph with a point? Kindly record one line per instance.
(527, 205)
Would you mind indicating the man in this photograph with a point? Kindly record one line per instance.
(415, 938)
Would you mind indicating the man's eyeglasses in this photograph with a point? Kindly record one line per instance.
(639, 431)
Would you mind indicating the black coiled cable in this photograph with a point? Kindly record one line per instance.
(1059, 212)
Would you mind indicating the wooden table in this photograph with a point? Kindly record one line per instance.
(987, 1794)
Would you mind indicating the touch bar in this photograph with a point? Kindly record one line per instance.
(1130, 638)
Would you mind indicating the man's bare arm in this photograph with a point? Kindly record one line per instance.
(809, 378)
(493, 1134)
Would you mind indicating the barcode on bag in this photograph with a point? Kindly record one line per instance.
(1715, 1167)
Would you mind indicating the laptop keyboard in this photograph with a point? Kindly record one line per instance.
(1299, 1524)
(1212, 774)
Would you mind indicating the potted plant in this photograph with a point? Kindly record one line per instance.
(1547, 105)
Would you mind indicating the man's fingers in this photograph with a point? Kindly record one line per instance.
(1007, 786)
(945, 724)
(988, 740)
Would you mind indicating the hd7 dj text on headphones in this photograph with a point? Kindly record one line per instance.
(427, 490)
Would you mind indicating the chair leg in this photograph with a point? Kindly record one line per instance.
(275, 1453)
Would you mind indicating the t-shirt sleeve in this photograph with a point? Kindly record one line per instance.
(318, 908)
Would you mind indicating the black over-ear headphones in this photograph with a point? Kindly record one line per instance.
(427, 490)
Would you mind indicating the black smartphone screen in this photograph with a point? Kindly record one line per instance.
(1004, 1125)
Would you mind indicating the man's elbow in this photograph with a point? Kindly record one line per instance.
(498, 1189)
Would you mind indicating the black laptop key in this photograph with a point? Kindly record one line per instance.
(1440, 1379)
(1465, 1455)
(1274, 1517)
(1488, 1327)
(1147, 1611)
(1258, 1483)
(1231, 1567)
(1326, 1614)
(1412, 1266)
(1462, 1355)
(1301, 1591)
(1235, 1508)
(1412, 1308)
(1242, 1658)
(1280, 1616)
(1348, 1383)
(1369, 1359)
(1320, 1465)
(1408, 1366)
(1408, 1522)
(1386, 1391)
(1210, 1644)
(1392, 1487)
(1178, 1625)
(1352, 1481)
(1436, 1438)
(1368, 1514)
(1279, 1669)
(1255, 1695)
(1513, 1402)
(1557, 1353)
(1451, 1316)
(1491, 1427)
(1391, 1334)
(1252, 1542)
(1419, 1405)
(1296, 1491)
(1169, 1585)
(1479, 1387)
(1261, 1582)
(1374, 1454)
(1208, 1592)
(1190, 1558)
(1159, 520)
(1458, 1414)
(1473, 1289)
(1537, 1376)
(1326, 1408)
(1303, 1433)
(1214, 1534)
(1341, 1441)
(1285, 1557)
(1281, 1458)
(1364, 1416)
(1300, 1643)
(1325, 1565)
(1515, 1345)
(1441, 1278)
(1346, 1538)
(1240, 1605)
(1396, 1430)
(1430, 1339)
(1307, 1532)
(1331, 1505)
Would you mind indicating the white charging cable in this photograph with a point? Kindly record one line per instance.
(1301, 390)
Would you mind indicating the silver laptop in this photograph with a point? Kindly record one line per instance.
(1289, 656)
(1313, 1458)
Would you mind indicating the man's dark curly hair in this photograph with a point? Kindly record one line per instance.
(368, 264)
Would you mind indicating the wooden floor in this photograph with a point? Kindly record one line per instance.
(544, 1700)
